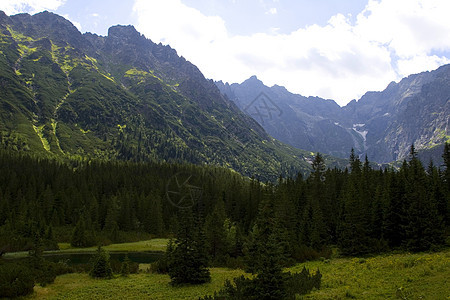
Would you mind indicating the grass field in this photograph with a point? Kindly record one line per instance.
(136, 286)
(149, 245)
(394, 276)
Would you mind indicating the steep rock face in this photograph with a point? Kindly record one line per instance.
(382, 125)
(309, 123)
(415, 110)
(65, 94)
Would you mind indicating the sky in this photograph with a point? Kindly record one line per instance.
(334, 49)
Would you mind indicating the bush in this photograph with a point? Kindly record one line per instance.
(302, 283)
(247, 289)
(44, 272)
(235, 263)
(15, 280)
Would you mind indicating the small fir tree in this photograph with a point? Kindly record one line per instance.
(101, 267)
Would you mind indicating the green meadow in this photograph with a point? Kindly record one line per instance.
(392, 276)
(141, 246)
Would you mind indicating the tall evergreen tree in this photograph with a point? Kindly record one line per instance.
(423, 227)
(215, 233)
(265, 254)
(187, 262)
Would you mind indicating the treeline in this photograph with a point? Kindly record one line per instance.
(360, 209)
(111, 201)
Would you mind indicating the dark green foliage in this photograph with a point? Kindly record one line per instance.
(187, 256)
(251, 289)
(302, 283)
(216, 235)
(362, 211)
(79, 236)
(423, 225)
(101, 267)
(15, 280)
(125, 269)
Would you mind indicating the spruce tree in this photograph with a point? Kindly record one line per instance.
(265, 255)
(125, 268)
(79, 235)
(216, 234)
(423, 227)
(187, 262)
(101, 267)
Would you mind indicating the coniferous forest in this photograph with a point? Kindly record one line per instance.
(360, 209)
(222, 218)
(115, 146)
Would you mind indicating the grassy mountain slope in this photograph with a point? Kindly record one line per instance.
(65, 94)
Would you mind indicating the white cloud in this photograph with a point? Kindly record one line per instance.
(272, 11)
(341, 60)
(11, 7)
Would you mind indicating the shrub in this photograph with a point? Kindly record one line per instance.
(15, 280)
(160, 266)
(302, 283)
(247, 289)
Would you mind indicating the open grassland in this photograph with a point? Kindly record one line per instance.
(394, 276)
(136, 286)
(149, 245)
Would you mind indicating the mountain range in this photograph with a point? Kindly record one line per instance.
(382, 125)
(70, 95)
(65, 94)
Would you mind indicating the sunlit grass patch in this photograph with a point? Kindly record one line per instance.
(408, 276)
(148, 245)
(136, 286)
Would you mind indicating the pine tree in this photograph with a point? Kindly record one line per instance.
(215, 233)
(270, 281)
(101, 267)
(354, 218)
(423, 227)
(446, 178)
(187, 262)
(125, 269)
(265, 255)
(79, 238)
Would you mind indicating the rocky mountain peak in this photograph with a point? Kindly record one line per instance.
(126, 32)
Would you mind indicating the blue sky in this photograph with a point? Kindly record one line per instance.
(335, 49)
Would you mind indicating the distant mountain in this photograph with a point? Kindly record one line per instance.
(305, 123)
(382, 125)
(67, 94)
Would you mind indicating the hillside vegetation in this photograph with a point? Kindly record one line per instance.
(394, 276)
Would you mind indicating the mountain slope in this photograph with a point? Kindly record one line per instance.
(382, 125)
(65, 94)
(415, 110)
(309, 123)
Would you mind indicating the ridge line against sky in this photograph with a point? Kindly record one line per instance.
(327, 48)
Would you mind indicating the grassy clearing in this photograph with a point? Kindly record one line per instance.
(138, 286)
(149, 245)
(394, 276)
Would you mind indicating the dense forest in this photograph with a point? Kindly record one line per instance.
(359, 209)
